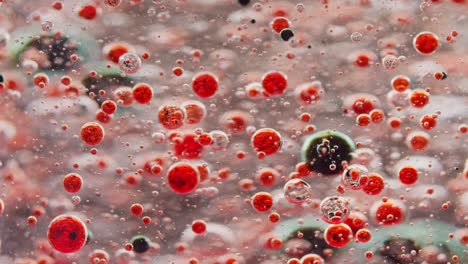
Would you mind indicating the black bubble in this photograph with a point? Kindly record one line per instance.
(244, 2)
(286, 34)
(141, 244)
(324, 151)
(2, 79)
(253, 21)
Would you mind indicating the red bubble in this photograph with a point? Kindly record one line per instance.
(428, 122)
(363, 235)
(72, 182)
(142, 93)
(67, 234)
(199, 227)
(136, 209)
(205, 85)
(362, 105)
(419, 98)
(88, 12)
(408, 175)
(92, 133)
(171, 116)
(114, 51)
(375, 184)
(274, 83)
(401, 83)
(426, 43)
(262, 201)
(267, 176)
(188, 147)
(279, 23)
(183, 178)
(266, 140)
(388, 213)
(338, 235)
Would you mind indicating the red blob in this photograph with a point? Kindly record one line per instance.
(274, 83)
(408, 175)
(426, 43)
(362, 105)
(115, 51)
(356, 221)
(388, 213)
(205, 85)
(188, 147)
(72, 182)
(142, 93)
(279, 24)
(88, 12)
(183, 178)
(266, 140)
(312, 259)
(338, 235)
(67, 234)
(92, 133)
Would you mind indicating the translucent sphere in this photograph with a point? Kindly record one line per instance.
(334, 209)
(354, 177)
(220, 140)
(297, 191)
(129, 63)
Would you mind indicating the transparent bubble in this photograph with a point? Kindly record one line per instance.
(129, 63)
(334, 209)
(297, 191)
(356, 37)
(390, 62)
(220, 140)
(113, 3)
(47, 26)
(355, 176)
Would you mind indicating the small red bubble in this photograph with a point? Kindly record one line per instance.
(88, 12)
(388, 213)
(279, 23)
(274, 83)
(142, 93)
(199, 227)
(205, 85)
(136, 209)
(262, 201)
(267, 141)
(363, 235)
(72, 182)
(171, 116)
(92, 133)
(408, 175)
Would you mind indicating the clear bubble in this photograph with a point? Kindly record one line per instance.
(129, 63)
(297, 191)
(220, 140)
(355, 176)
(334, 209)
(356, 37)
